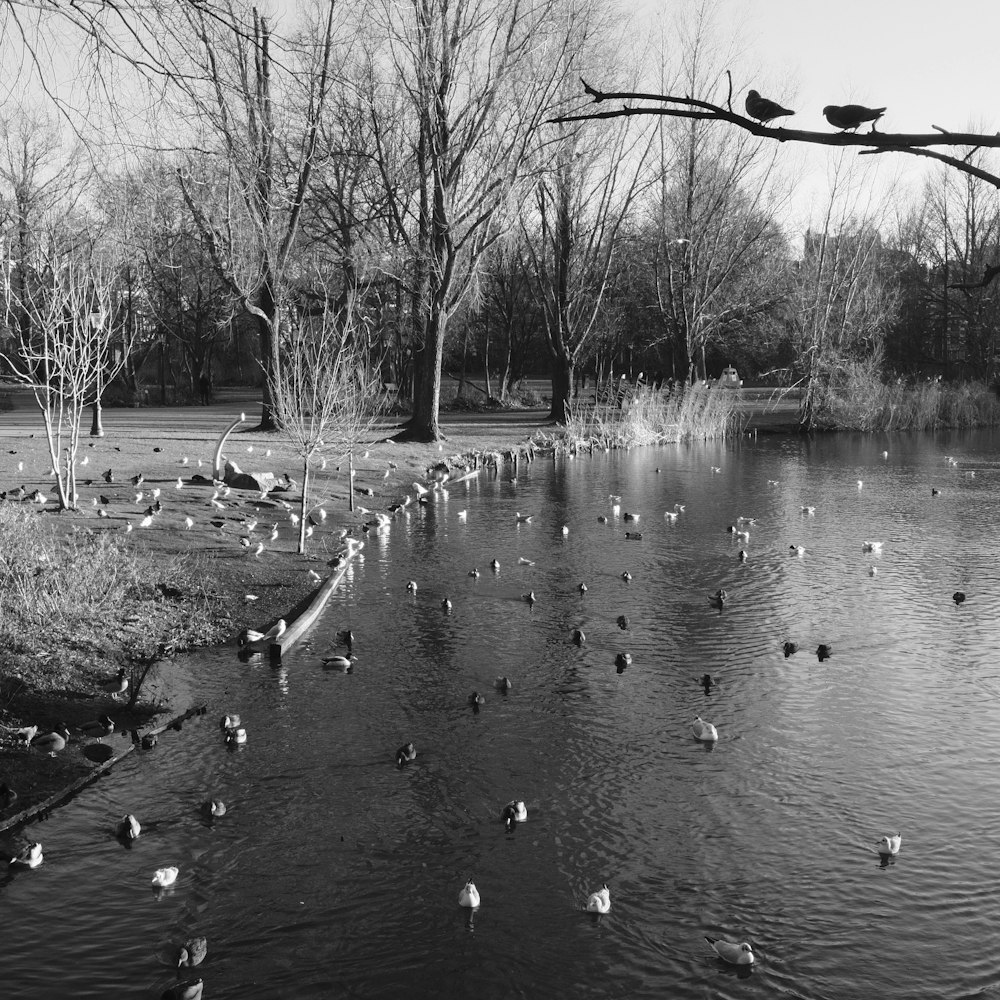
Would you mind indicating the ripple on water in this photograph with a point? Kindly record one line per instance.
(337, 872)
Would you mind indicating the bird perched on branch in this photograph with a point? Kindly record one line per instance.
(850, 116)
(762, 109)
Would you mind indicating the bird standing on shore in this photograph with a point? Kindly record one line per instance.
(851, 116)
(763, 109)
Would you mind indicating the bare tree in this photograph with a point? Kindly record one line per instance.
(842, 298)
(73, 352)
(268, 159)
(326, 397)
(477, 76)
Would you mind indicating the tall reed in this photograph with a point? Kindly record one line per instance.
(859, 400)
(649, 416)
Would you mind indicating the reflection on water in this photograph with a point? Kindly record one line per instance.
(335, 872)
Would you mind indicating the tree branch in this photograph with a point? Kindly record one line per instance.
(705, 110)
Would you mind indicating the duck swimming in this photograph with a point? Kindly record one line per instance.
(718, 599)
(127, 828)
(469, 896)
(514, 812)
(411, 586)
(579, 637)
(236, 736)
(623, 660)
(213, 807)
(163, 877)
(823, 652)
(495, 565)
(192, 952)
(623, 622)
(704, 731)
(730, 951)
(476, 699)
(190, 989)
(502, 684)
(889, 845)
(30, 856)
(405, 754)
(582, 588)
(600, 901)
(230, 721)
(627, 576)
(790, 649)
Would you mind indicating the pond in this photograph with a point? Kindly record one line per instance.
(336, 873)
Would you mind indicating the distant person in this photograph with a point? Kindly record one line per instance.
(205, 388)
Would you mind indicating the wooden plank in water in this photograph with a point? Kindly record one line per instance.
(301, 625)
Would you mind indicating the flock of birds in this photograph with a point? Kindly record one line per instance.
(738, 953)
(190, 952)
(846, 117)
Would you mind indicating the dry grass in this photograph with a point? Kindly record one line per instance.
(858, 400)
(73, 606)
(651, 417)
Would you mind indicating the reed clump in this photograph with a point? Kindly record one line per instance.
(651, 416)
(859, 400)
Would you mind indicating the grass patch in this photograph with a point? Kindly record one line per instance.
(73, 605)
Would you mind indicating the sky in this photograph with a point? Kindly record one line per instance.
(929, 62)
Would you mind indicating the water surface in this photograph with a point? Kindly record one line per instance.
(336, 874)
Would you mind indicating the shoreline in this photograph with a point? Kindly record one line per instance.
(242, 591)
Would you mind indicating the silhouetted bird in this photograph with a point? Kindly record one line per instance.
(823, 652)
(958, 597)
(762, 109)
(790, 649)
(850, 116)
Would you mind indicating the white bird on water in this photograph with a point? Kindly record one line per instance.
(704, 731)
(469, 896)
(600, 901)
(736, 953)
(165, 876)
(889, 845)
